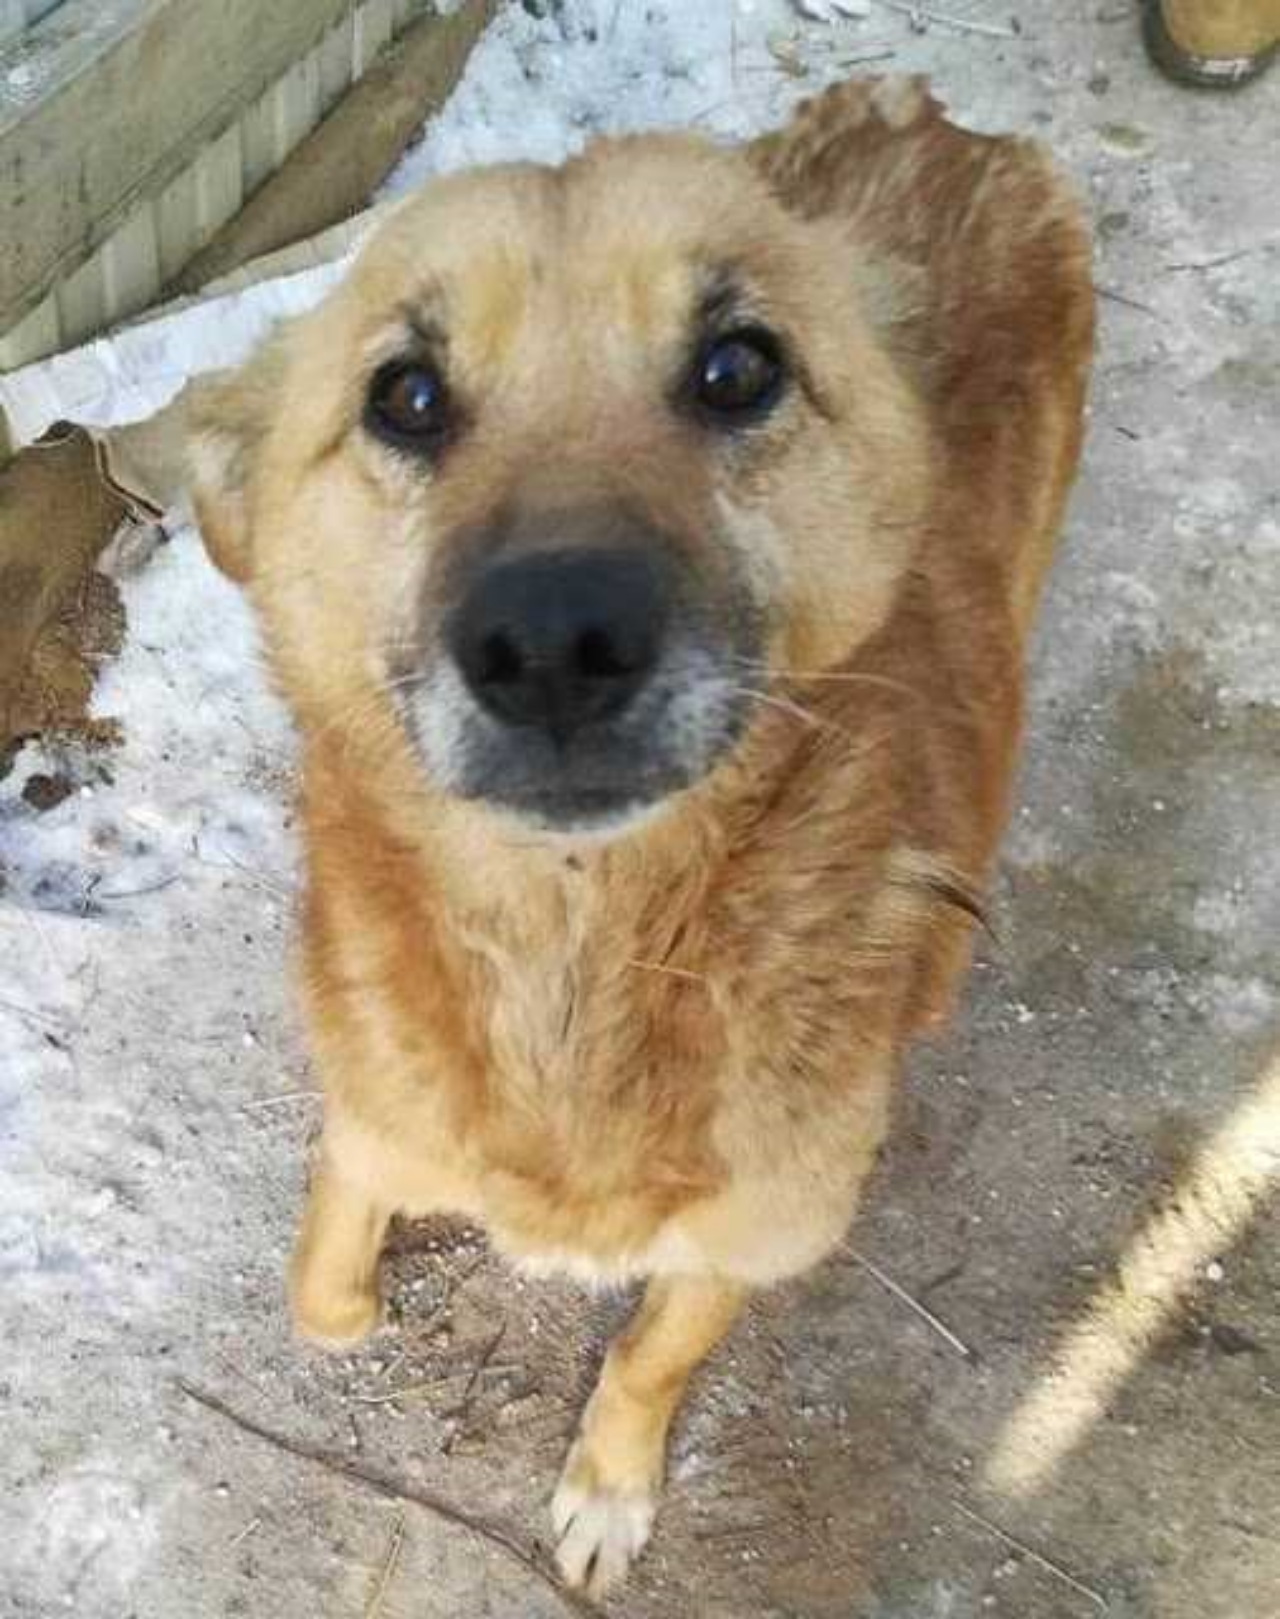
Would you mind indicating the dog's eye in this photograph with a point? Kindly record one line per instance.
(408, 405)
(740, 376)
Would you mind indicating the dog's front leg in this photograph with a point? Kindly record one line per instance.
(608, 1492)
(333, 1278)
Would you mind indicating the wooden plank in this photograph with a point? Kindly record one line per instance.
(178, 224)
(129, 91)
(81, 300)
(337, 54)
(260, 136)
(336, 170)
(31, 339)
(219, 182)
(280, 120)
(12, 20)
(374, 22)
(130, 266)
(299, 104)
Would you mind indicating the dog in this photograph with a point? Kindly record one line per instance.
(648, 550)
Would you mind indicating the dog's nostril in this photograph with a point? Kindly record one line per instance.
(599, 657)
(500, 662)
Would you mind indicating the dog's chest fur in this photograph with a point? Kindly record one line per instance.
(630, 1052)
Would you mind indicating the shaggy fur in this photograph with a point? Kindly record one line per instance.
(665, 1053)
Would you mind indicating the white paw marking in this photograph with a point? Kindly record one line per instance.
(601, 1532)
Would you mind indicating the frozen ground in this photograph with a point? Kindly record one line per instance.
(154, 1104)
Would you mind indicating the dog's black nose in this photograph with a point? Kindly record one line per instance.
(560, 639)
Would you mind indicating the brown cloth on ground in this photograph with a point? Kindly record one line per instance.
(59, 617)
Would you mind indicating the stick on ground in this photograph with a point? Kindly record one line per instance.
(926, 1315)
(390, 1490)
(945, 19)
(388, 1569)
(1038, 1558)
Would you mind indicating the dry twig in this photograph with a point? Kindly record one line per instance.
(946, 19)
(253, 1525)
(926, 1315)
(1038, 1558)
(388, 1569)
(1194, 265)
(1114, 297)
(37, 1020)
(390, 1490)
(462, 1410)
(264, 1102)
(135, 893)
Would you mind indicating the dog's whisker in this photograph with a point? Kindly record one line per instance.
(410, 682)
(784, 705)
(832, 676)
(670, 972)
(368, 714)
(806, 716)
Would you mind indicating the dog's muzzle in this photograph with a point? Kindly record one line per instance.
(583, 673)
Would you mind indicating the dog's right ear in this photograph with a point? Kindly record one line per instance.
(229, 415)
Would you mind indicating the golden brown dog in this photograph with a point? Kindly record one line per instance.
(648, 549)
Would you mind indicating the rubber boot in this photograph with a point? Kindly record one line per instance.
(1212, 44)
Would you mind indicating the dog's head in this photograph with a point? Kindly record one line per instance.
(568, 469)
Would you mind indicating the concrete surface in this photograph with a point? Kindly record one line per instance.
(830, 1463)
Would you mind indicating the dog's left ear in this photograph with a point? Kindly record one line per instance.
(839, 148)
(229, 416)
(861, 157)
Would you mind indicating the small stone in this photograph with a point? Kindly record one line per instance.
(44, 792)
(1126, 139)
(1230, 1340)
(1213, 1271)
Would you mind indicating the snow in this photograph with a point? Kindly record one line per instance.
(146, 1200)
(548, 76)
(537, 89)
(131, 375)
(122, 962)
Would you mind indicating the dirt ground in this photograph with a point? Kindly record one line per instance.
(843, 1457)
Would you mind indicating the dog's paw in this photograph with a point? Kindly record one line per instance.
(600, 1529)
(335, 1321)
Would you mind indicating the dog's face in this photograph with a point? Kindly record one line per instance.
(572, 465)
